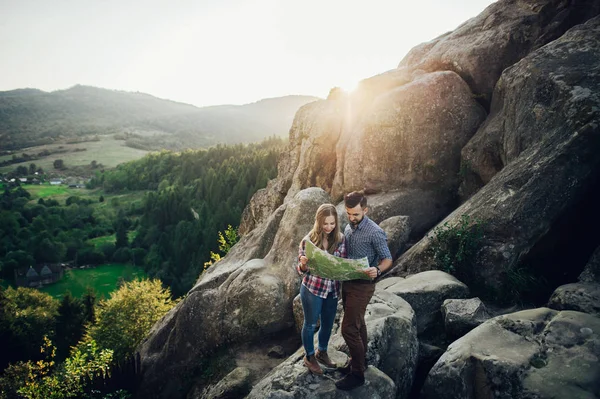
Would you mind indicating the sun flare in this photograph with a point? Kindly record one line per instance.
(349, 86)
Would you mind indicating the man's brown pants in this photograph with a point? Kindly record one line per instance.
(355, 298)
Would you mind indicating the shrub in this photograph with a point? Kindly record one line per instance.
(123, 320)
(454, 247)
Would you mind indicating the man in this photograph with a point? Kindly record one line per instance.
(364, 238)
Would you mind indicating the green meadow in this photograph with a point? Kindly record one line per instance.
(103, 279)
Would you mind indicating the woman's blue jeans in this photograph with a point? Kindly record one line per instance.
(315, 307)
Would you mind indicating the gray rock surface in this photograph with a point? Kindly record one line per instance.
(423, 207)
(292, 380)
(582, 297)
(409, 137)
(236, 384)
(397, 229)
(537, 353)
(462, 315)
(482, 47)
(392, 348)
(426, 292)
(546, 116)
(591, 272)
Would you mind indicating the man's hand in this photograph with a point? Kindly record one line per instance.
(371, 272)
(303, 263)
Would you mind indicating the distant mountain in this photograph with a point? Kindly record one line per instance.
(30, 117)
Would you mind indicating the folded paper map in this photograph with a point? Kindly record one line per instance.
(323, 264)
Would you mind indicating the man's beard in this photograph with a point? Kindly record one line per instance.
(355, 223)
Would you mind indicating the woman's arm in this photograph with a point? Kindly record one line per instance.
(341, 249)
(302, 267)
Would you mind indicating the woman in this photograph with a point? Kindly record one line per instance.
(320, 295)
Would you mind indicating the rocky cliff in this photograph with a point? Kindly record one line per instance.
(499, 121)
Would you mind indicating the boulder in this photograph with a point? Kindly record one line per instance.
(582, 297)
(423, 207)
(532, 100)
(426, 292)
(506, 31)
(276, 352)
(546, 112)
(308, 161)
(262, 204)
(254, 245)
(397, 229)
(591, 272)
(538, 353)
(254, 299)
(463, 315)
(410, 137)
(298, 313)
(315, 132)
(236, 384)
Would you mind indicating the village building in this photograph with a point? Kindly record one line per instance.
(37, 276)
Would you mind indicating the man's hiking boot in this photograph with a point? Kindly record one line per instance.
(345, 369)
(324, 359)
(312, 365)
(350, 381)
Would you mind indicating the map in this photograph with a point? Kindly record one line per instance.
(323, 264)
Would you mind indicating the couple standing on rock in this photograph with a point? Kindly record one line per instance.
(362, 238)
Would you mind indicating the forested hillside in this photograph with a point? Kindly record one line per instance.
(163, 212)
(30, 117)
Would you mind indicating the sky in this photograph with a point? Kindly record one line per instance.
(215, 52)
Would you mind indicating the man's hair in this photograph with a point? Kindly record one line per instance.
(354, 198)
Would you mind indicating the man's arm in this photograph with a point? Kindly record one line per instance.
(385, 265)
(381, 247)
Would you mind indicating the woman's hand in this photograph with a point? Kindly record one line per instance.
(303, 263)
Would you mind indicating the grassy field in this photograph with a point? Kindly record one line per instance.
(108, 151)
(111, 205)
(111, 239)
(103, 279)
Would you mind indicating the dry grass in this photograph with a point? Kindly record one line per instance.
(108, 151)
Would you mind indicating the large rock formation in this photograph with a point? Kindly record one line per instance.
(546, 119)
(481, 48)
(410, 136)
(529, 172)
(308, 161)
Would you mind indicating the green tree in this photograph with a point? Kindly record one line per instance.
(27, 316)
(69, 324)
(22, 171)
(45, 379)
(226, 240)
(121, 236)
(123, 320)
(89, 303)
(58, 164)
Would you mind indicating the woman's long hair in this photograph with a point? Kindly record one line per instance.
(317, 235)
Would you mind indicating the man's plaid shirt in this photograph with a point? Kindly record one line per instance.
(367, 240)
(320, 286)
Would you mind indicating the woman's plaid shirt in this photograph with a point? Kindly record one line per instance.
(320, 286)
